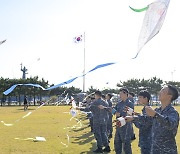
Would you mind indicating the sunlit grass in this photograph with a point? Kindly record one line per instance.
(50, 122)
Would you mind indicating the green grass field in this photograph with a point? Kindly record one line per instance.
(53, 123)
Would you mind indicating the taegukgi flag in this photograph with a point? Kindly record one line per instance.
(78, 39)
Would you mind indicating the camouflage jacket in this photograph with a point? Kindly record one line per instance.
(164, 130)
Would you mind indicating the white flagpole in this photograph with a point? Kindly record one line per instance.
(84, 65)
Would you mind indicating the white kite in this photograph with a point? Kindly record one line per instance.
(29, 113)
(74, 104)
(36, 139)
(39, 139)
(152, 23)
(5, 124)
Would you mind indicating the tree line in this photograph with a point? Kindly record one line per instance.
(153, 85)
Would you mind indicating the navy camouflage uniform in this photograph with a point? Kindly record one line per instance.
(164, 130)
(123, 134)
(144, 123)
(89, 115)
(133, 134)
(109, 123)
(100, 117)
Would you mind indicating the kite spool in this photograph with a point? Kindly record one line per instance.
(130, 111)
(121, 121)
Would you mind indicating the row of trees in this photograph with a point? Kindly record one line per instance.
(32, 92)
(153, 85)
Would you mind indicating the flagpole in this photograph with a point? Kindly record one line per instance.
(84, 65)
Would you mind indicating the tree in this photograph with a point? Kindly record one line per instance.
(153, 85)
(106, 91)
(21, 90)
(91, 90)
(132, 85)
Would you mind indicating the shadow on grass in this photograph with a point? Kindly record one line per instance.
(86, 137)
(80, 129)
(83, 118)
(83, 139)
(90, 151)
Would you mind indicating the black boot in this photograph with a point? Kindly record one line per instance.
(133, 137)
(107, 149)
(98, 150)
(110, 136)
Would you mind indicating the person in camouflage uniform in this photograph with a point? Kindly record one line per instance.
(122, 140)
(131, 96)
(109, 123)
(100, 116)
(144, 123)
(165, 122)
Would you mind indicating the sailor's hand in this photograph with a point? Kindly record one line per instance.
(117, 114)
(129, 118)
(101, 107)
(150, 111)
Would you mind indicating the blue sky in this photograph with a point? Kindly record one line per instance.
(44, 29)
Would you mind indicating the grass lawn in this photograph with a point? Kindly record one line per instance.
(53, 123)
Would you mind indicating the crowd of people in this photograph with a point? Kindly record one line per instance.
(157, 127)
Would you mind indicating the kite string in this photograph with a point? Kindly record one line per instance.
(69, 128)
(29, 113)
